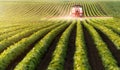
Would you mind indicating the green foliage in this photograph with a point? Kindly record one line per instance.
(113, 7)
(114, 37)
(15, 38)
(18, 48)
(80, 55)
(106, 56)
(34, 56)
(115, 26)
(58, 58)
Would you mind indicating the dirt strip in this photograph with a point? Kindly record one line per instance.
(92, 52)
(70, 51)
(111, 46)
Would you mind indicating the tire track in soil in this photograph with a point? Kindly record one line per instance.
(48, 55)
(111, 47)
(70, 51)
(92, 52)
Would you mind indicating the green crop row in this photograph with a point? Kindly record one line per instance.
(58, 57)
(9, 41)
(18, 27)
(9, 34)
(15, 50)
(115, 38)
(29, 11)
(92, 9)
(35, 55)
(112, 26)
(15, 27)
(80, 55)
(106, 56)
(21, 29)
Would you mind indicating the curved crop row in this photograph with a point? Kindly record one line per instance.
(9, 34)
(106, 56)
(36, 10)
(22, 28)
(15, 50)
(115, 38)
(17, 27)
(112, 26)
(7, 42)
(58, 57)
(34, 56)
(80, 55)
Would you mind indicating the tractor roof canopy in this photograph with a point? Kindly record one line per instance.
(77, 6)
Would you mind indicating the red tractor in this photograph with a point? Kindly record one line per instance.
(76, 11)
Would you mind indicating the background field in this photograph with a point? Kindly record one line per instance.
(28, 10)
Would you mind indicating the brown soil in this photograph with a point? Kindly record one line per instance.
(70, 51)
(115, 52)
(47, 57)
(12, 65)
(92, 52)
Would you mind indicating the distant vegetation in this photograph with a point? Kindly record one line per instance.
(113, 7)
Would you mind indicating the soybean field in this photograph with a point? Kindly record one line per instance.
(38, 35)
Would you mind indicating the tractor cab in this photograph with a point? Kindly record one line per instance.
(76, 11)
